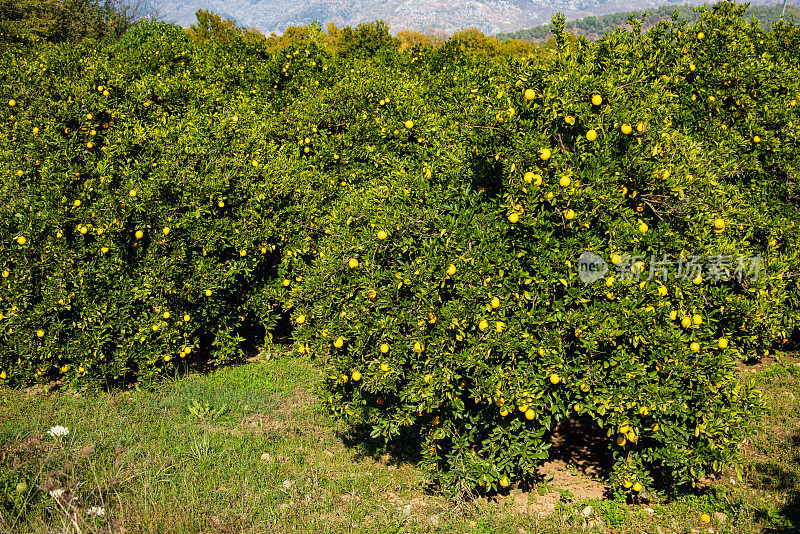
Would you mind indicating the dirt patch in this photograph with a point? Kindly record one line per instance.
(565, 484)
(754, 366)
(292, 415)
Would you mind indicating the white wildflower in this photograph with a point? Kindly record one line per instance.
(56, 493)
(58, 431)
(96, 511)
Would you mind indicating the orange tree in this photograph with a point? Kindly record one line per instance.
(142, 220)
(446, 301)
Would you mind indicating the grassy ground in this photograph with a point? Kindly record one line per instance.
(246, 449)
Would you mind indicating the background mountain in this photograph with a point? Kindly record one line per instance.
(489, 16)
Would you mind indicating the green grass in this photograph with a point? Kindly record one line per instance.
(246, 449)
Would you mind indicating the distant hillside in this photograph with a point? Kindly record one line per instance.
(596, 27)
(488, 16)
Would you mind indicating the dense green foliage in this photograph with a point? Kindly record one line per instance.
(596, 27)
(417, 215)
(62, 20)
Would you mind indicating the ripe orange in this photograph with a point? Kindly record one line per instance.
(483, 325)
(555, 379)
(513, 218)
(626, 128)
(166, 230)
(643, 227)
(12, 103)
(565, 181)
(409, 124)
(40, 333)
(186, 318)
(451, 269)
(139, 234)
(286, 282)
(597, 100)
(208, 292)
(356, 376)
(662, 290)
(3, 375)
(637, 487)
(530, 414)
(353, 263)
(21, 240)
(300, 319)
(705, 518)
(694, 346)
(384, 348)
(545, 154)
(132, 193)
(530, 94)
(719, 225)
(418, 347)
(495, 303)
(505, 481)
(621, 441)
(701, 35)
(591, 135)
(382, 235)
(569, 214)
(722, 343)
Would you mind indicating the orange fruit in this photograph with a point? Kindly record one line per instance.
(591, 135)
(597, 100)
(530, 94)
(626, 128)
